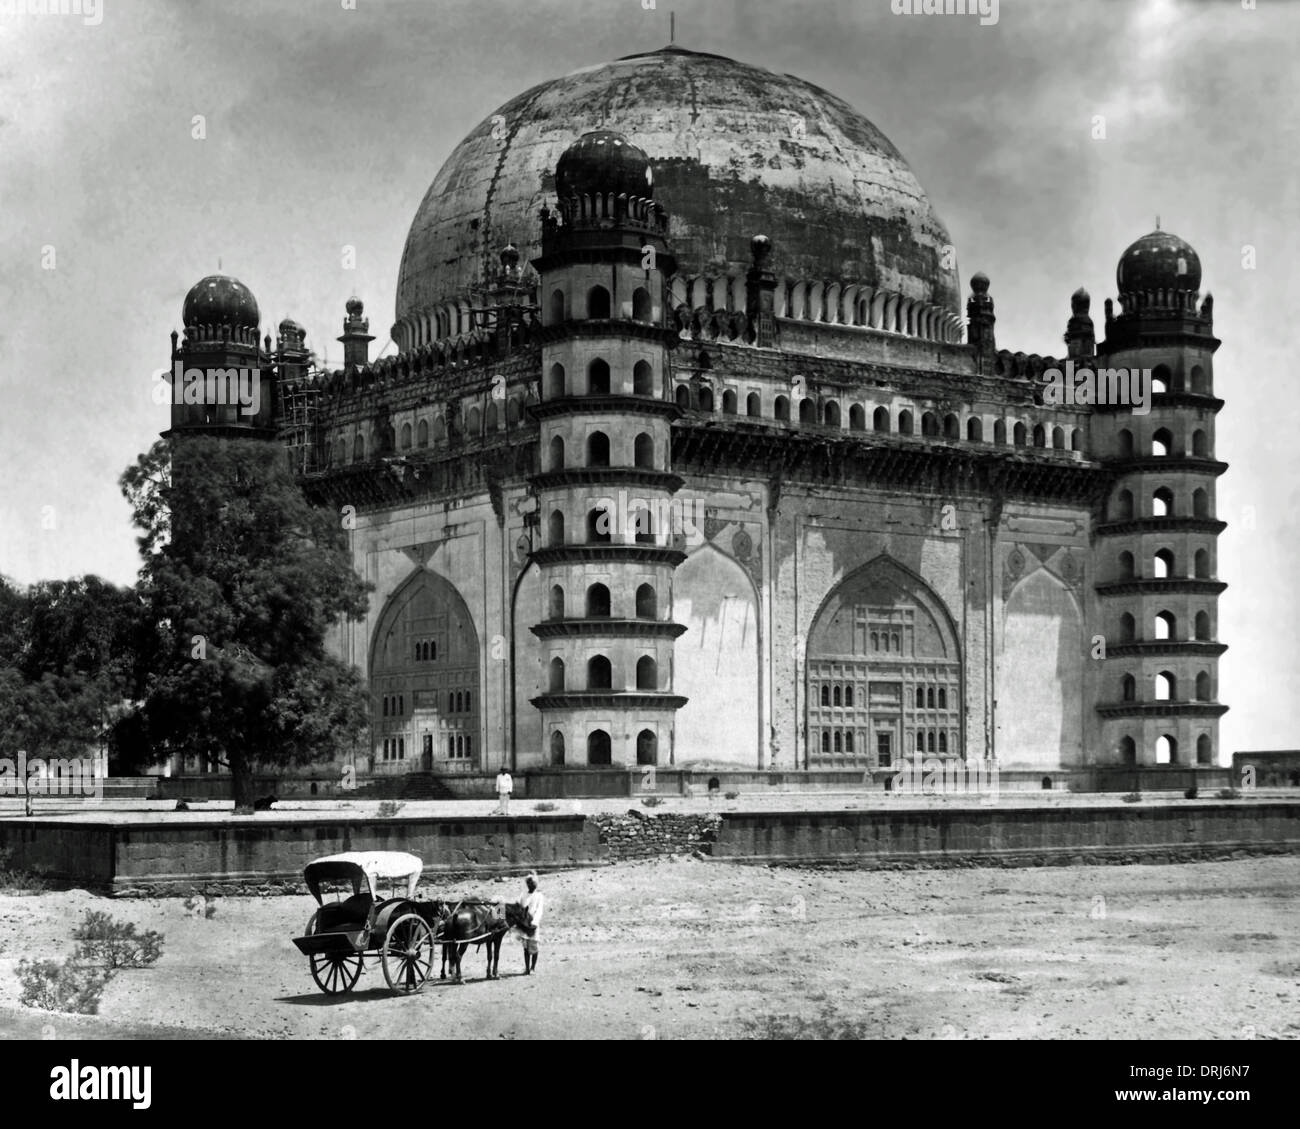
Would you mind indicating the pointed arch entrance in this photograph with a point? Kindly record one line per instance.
(883, 672)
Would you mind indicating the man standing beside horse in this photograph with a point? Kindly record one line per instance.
(534, 904)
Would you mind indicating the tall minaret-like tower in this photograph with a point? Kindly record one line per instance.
(227, 386)
(606, 489)
(1157, 554)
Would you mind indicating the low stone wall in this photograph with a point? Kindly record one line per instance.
(70, 851)
(1000, 834)
(634, 835)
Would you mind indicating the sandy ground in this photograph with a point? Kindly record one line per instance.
(698, 949)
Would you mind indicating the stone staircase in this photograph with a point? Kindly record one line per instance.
(408, 786)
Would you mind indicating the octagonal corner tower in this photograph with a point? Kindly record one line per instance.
(736, 151)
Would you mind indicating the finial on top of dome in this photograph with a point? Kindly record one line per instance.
(509, 257)
(760, 247)
(1080, 301)
(979, 282)
(355, 307)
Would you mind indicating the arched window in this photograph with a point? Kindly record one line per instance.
(753, 404)
(556, 606)
(929, 424)
(706, 399)
(1126, 565)
(1076, 439)
(951, 427)
(643, 527)
(848, 696)
(1128, 688)
(1162, 441)
(920, 741)
(848, 741)
(943, 698)
(839, 741)
(1200, 385)
(556, 386)
(557, 306)
(826, 695)
(1203, 693)
(557, 748)
(600, 675)
(1200, 445)
(440, 430)
(934, 744)
(643, 451)
(1204, 749)
(1124, 506)
(641, 304)
(513, 412)
(599, 527)
(807, 411)
(943, 741)
(647, 673)
(406, 437)
(1162, 564)
(728, 402)
(920, 697)
(643, 379)
(880, 420)
(1125, 438)
(875, 641)
(358, 449)
(826, 742)
(1160, 378)
(557, 453)
(473, 423)
(1166, 687)
(975, 429)
(1127, 751)
(836, 696)
(781, 409)
(1127, 628)
(555, 529)
(894, 639)
(490, 417)
(647, 602)
(832, 416)
(1203, 626)
(557, 676)
(597, 302)
(1202, 564)
(1058, 438)
(1020, 434)
(904, 422)
(857, 418)
(598, 449)
(598, 604)
(1162, 503)
(647, 747)
(598, 378)
(460, 702)
(1166, 750)
(1000, 432)
(1040, 435)
(683, 396)
(422, 434)
(598, 748)
(1200, 503)
(1166, 625)
(929, 697)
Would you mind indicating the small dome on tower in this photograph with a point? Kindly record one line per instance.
(221, 300)
(355, 306)
(979, 282)
(1158, 261)
(603, 161)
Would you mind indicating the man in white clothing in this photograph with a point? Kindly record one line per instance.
(504, 787)
(535, 905)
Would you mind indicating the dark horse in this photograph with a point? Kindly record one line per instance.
(476, 923)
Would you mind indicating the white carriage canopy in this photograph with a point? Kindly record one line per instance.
(370, 867)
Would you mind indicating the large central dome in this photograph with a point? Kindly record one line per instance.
(736, 151)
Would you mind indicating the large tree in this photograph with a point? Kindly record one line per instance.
(243, 578)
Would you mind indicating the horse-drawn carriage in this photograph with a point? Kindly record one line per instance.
(398, 931)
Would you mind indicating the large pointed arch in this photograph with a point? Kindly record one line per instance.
(880, 634)
(425, 678)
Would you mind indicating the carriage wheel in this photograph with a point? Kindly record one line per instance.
(335, 972)
(407, 953)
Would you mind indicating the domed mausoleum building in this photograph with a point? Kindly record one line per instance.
(691, 452)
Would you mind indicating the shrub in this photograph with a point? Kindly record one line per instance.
(16, 879)
(54, 986)
(1228, 794)
(652, 801)
(1191, 792)
(546, 805)
(389, 808)
(732, 795)
(1132, 798)
(114, 944)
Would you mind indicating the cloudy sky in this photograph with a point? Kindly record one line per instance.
(325, 125)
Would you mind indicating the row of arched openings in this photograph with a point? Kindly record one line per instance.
(1165, 627)
(1163, 445)
(599, 747)
(600, 380)
(1166, 687)
(600, 674)
(598, 451)
(1163, 504)
(1166, 750)
(1164, 565)
(601, 526)
(598, 305)
(598, 604)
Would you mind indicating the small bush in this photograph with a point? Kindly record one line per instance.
(104, 941)
(1132, 798)
(16, 879)
(54, 986)
(546, 805)
(1191, 792)
(732, 795)
(1228, 794)
(652, 801)
(389, 808)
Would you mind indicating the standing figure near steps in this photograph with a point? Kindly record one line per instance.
(534, 904)
(505, 785)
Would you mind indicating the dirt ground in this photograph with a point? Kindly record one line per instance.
(700, 949)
